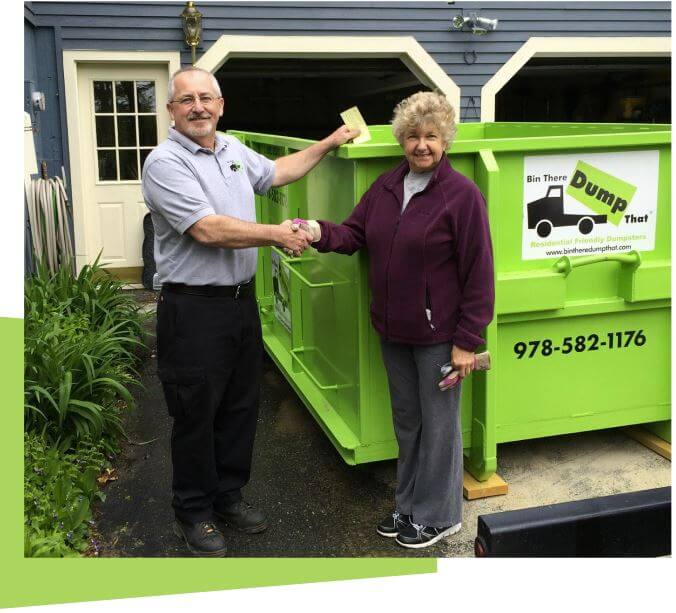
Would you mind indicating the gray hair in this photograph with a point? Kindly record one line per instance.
(422, 108)
(172, 90)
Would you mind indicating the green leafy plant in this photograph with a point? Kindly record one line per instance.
(81, 341)
(59, 489)
(94, 293)
(82, 337)
(72, 376)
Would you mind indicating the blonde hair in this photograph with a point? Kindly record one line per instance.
(422, 108)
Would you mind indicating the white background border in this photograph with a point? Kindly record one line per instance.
(460, 586)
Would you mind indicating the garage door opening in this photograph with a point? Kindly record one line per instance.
(303, 97)
(591, 89)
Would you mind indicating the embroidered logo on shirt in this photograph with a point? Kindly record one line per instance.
(235, 166)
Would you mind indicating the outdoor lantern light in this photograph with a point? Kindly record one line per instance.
(478, 25)
(192, 27)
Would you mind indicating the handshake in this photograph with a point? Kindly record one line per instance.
(296, 235)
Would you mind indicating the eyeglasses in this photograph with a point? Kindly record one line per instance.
(188, 101)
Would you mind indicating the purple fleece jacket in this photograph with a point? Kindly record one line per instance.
(437, 255)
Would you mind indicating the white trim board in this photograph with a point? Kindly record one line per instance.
(569, 46)
(406, 48)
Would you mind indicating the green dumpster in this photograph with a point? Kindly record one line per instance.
(580, 218)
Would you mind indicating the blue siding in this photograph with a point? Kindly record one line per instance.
(50, 121)
(29, 85)
(157, 26)
(41, 74)
(30, 80)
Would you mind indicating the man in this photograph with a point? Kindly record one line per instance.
(199, 187)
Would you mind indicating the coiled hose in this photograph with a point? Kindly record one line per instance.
(50, 222)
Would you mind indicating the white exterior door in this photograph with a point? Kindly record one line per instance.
(121, 116)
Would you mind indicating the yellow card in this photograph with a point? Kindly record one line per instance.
(352, 119)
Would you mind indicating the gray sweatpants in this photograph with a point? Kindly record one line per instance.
(427, 426)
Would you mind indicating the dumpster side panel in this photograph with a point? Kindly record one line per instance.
(590, 348)
(580, 340)
(583, 373)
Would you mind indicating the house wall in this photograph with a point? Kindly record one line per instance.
(468, 59)
(30, 77)
(43, 71)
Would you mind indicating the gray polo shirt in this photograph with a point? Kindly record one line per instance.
(183, 182)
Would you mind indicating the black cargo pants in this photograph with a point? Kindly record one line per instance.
(209, 352)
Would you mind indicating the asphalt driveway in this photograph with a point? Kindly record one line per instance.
(319, 506)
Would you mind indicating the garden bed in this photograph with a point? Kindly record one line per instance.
(83, 338)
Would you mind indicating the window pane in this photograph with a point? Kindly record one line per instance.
(126, 131)
(147, 130)
(128, 164)
(145, 91)
(105, 131)
(103, 97)
(144, 155)
(107, 168)
(124, 94)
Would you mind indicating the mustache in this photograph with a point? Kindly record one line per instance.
(199, 116)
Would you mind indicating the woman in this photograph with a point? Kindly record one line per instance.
(431, 274)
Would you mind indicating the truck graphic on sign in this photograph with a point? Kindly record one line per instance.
(547, 213)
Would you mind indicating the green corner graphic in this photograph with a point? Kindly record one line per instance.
(601, 192)
(33, 581)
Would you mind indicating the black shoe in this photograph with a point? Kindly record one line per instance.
(391, 525)
(416, 536)
(243, 517)
(203, 538)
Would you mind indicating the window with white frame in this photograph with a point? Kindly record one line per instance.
(125, 114)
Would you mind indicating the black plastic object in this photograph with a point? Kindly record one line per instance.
(636, 524)
(148, 252)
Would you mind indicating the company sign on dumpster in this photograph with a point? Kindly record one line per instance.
(589, 204)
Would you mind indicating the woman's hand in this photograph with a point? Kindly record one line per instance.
(462, 361)
(310, 226)
(315, 229)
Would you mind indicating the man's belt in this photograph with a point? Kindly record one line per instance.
(243, 290)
